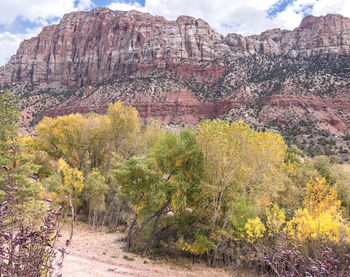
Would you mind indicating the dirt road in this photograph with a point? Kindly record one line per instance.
(97, 253)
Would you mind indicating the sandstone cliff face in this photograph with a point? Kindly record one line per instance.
(96, 46)
(315, 35)
(93, 47)
(182, 72)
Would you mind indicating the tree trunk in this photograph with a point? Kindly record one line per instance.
(93, 220)
(130, 233)
(219, 240)
(73, 219)
(213, 223)
(89, 215)
(157, 215)
(106, 214)
(118, 214)
(148, 245)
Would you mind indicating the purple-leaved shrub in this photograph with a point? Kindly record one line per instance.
(26, 247)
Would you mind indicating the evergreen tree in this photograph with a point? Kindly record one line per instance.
(18, 170)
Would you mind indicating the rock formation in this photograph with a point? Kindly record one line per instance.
(93, 47)
(182, 71)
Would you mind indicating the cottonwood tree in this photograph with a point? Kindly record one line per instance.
(89, 141)
(64, 137)
(239, 163)
(320, 217)
(72, 183)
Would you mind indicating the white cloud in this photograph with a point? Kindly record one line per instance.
(293, 14)
(240, 16)
(85, 5)
(35, 11)
(9, 43)
(334, 6)
(121, 6)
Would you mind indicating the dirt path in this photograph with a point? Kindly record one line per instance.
(97, 253)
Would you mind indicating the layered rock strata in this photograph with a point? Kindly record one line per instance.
(182, 71)
(93, 47)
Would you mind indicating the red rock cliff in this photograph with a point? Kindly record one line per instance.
(93, 47)
(183, 72)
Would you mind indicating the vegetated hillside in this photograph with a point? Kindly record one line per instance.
(182, 72)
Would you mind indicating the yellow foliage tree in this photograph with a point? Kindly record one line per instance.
(97, 140)
(72, 178)
(275, 219)
(254, 229)
(88, 141)
(240, 163)
(64, 137)
(72, 182)
(95, 190)
(320, 218)
(125, 127)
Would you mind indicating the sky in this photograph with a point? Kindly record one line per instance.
(23, 19)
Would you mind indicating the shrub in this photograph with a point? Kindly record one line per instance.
(287, 261)
(27, 249)
(254, 229)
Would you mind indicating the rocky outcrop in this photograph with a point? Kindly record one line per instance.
(93, 47)
(315, 35)
(181, 108)
(182, 72)
(178, 108)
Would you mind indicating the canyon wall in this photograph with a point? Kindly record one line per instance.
(182, 72)
(93, 47)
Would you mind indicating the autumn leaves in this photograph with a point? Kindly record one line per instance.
(220, 191)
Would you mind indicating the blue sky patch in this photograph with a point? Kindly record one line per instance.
(20, 25)
(279, 7)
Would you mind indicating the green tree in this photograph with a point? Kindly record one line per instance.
(9, 119)
(323, 165)
(163, 183)
(16, 163)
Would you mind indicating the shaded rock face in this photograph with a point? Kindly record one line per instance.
(182, 71)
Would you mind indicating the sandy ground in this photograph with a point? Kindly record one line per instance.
(95, 253)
